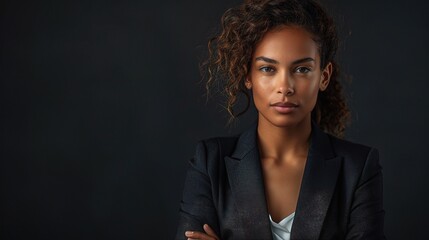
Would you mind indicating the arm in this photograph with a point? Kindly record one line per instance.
(367, 213)
(196, 207)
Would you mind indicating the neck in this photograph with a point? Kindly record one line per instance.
(283, 143)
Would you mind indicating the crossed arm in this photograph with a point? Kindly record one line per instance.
(198, 216)
(208, 234)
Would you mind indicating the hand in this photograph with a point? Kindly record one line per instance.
(208, 235)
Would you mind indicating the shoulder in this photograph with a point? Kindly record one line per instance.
(210, 152)
(356, 157)
(217, 145)
(350, 149)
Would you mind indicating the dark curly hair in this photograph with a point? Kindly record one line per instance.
(230, 53)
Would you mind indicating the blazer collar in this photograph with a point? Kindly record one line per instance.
(320, 144)
(318, 183)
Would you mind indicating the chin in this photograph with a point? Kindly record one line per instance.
(284, 121)
(285, 124)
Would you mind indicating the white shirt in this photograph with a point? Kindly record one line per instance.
(281, 230)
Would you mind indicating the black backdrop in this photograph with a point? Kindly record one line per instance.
(101, 107)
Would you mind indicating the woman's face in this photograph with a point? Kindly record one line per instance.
(285, 76)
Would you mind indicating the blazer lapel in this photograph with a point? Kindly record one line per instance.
(318, 184)
(247, 185)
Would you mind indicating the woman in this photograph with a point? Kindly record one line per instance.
(289, 176)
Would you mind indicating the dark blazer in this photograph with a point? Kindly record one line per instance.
(340, 195)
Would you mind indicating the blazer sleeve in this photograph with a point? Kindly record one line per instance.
(197, 207)
(367, 214)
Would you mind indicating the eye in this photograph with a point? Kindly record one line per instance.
(266, 69)
(302, 69)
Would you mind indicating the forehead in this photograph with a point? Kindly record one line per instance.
(287, 43)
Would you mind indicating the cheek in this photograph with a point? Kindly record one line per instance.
(309, 90)
(258, 96)
(261, 96)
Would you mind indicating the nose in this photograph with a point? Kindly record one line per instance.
(285, 85)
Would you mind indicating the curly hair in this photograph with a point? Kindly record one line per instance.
(230, 53)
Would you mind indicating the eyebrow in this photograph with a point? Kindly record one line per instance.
(303, 60)
(265, 59)
(272, 61)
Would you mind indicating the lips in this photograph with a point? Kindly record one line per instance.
(284, 107)
(284, 104)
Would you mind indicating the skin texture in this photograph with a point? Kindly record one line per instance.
(285, 69)
(285, 78)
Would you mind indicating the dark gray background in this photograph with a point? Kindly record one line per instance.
(101, 107)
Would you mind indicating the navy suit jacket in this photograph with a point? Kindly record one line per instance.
(340, 196)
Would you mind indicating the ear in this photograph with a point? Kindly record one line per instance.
(326, 77)
(248, 83)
